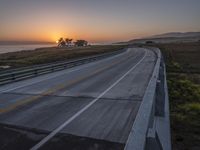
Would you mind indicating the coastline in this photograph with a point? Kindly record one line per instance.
(21, 47)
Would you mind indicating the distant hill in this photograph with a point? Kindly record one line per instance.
(177, 34)
(170, 37)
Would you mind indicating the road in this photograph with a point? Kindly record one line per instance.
(92, 106)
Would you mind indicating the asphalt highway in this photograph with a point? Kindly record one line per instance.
(92, 106)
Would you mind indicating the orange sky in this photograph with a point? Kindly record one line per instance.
(95, 21)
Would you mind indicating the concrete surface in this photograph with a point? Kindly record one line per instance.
(45, 102)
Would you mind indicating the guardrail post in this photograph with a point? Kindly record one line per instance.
(160, 93)
(152, 140)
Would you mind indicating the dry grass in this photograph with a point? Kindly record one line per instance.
(47, 55)
(183, 75)
(186, 55)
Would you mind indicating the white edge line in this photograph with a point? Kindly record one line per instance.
(54, 132)
(76, 69)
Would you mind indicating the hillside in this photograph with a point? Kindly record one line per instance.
(177, 35)
(171, 37)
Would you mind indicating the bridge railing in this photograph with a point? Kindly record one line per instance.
(151, 128)
(13, 75)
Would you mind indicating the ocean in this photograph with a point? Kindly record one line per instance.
(14, 48)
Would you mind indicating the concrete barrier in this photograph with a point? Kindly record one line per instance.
(151, 128)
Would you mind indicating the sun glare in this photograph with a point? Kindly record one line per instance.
(57, 41)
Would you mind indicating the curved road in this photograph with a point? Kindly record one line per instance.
(92, 106)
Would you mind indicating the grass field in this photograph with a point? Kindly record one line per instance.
(47, 55)
(182, 57)
(183, 75)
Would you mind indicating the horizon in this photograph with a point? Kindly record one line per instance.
(96, 21)
(2, 42)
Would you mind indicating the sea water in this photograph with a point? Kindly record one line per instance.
(14, 48)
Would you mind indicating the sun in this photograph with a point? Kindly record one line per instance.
(57, 41)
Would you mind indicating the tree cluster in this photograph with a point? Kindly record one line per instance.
(69, 42)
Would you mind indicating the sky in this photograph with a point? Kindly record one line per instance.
(95, 20)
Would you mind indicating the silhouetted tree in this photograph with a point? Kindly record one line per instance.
(81, 43)
(61, 42)
(68, 41)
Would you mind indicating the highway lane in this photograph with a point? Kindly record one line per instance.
(46, 102)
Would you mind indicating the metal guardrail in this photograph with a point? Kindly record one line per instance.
(27, 72)
(151, 128)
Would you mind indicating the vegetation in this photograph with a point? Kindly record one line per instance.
(183, 74)
(81, 43)
(68, 42)
(182, 57)
(61, 42)
(52, 54)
